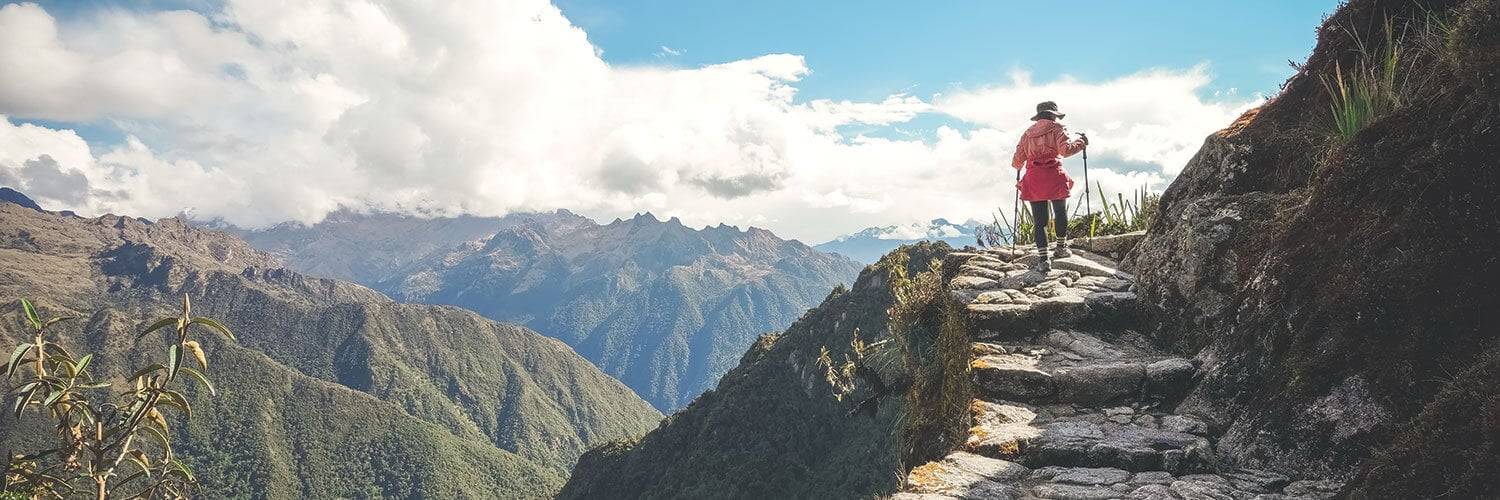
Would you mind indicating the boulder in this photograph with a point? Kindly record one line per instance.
(1320, 489)
(1003, 320)
(1091, 475)
(982, 272)
(1169, 377)
(1203, 490)
(973, 283)
(1061, 310)
(1152, 492)
(1022, 279)
(966, 475)
(1256, 481)
(1061, 491)
(1086, 444)
(1099, 384)
(1000, 430)
(1115, 245)
(1184, 423)
(1011, 377)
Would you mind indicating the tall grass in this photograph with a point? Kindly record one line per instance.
(1118, 216)
(1369, 91)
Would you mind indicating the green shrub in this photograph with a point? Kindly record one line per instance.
(1122, 215)
(1370, 90)
(109, 442)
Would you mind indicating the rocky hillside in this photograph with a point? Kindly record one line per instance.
(779, 425)
(1307, 318)
(1337, 293)
(664, 308)
(333, 389)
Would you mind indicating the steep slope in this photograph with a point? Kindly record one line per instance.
(1340, 296)
(664, 308)
(777, 425)
(332, 386)
(870, 244)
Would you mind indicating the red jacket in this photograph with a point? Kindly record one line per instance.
(1041, 150)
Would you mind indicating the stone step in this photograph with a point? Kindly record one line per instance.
(965, 475)
(1014, 377)
(1130, 447)
(1079, 368)
(1119, 438)
(1015, 319)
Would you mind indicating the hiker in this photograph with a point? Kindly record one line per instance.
(1046, 184)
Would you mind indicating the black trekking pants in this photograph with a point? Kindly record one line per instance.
(1039, 218)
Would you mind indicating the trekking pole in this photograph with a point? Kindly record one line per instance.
(1015, 213)
(1087, 200)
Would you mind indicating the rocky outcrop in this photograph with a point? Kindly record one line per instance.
(1114, 246)
(1332, 291)
(1073, 402)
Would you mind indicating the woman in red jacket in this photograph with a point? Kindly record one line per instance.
(1040, 151)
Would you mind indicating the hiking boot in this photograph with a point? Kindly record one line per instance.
(1061, 251)
(1041, 264)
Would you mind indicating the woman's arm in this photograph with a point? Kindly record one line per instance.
(1019, 159)
(1068, 147)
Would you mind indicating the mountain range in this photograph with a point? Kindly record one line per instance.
(333, 389)
(665, 308)
(869, 244)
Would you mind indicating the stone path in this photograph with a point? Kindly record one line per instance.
(1072, 402)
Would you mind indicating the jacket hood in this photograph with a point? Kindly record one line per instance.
(1042, 127)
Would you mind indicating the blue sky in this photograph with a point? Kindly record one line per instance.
(812, 119)
(867, 50)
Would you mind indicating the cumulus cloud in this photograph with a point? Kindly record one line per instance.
(260, 112)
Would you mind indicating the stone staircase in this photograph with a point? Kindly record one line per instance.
(1072, 402)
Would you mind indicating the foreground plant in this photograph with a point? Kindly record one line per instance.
(109, 444)
(1123, 215)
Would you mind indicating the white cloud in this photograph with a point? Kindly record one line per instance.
(288, 111)
(1154, 117)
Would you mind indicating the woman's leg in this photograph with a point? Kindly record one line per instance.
(1060, 216)
(1039, 223)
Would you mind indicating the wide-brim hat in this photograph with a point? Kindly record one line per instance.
(1048, 110)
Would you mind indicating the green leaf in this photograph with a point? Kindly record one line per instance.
(36, 322)
(183, 468)
(160, 436)
(174, 360)
(159, 324)
(176, 399)
(85, 411)
(23, 400)
(211, 323)
(202, 379)
(57, 320)
(82, 364)
(58, 349)
(146, 371)
(144, 472)
(56, 395)
(15, 358)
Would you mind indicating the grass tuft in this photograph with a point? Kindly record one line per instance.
(1118, 216)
